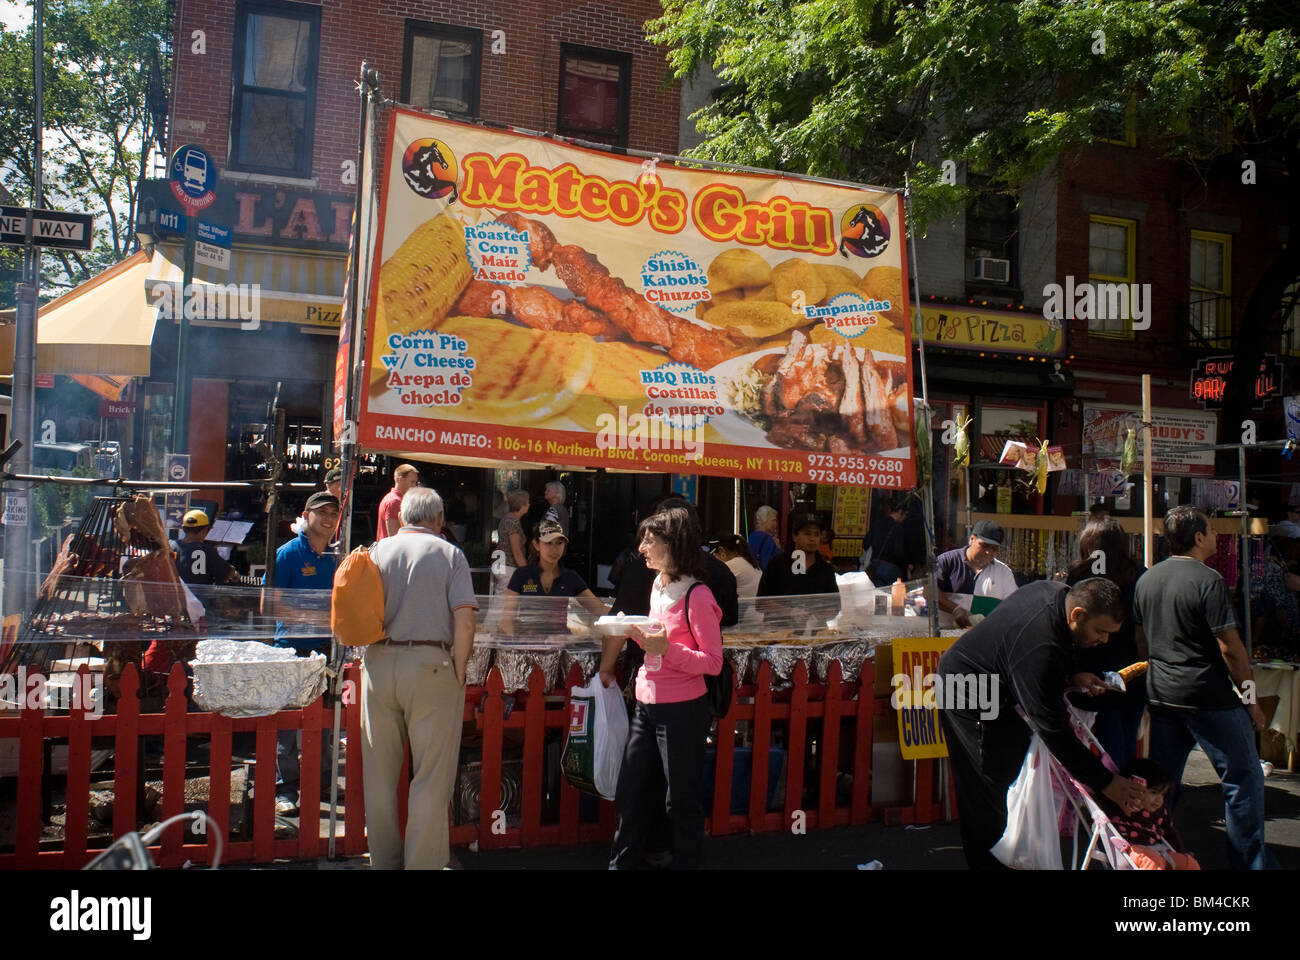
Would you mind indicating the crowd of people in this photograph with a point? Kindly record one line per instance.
(1054, 638)
(1044, 640)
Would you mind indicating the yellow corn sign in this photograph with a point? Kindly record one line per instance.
(916, 665)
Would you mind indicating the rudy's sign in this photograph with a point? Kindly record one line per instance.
(1180, 438)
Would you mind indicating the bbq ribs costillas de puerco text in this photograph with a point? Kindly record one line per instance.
(612, 309)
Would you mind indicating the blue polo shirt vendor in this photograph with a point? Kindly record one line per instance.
(306, 563)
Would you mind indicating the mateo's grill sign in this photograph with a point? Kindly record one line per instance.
(538, 302)
(1210, 381)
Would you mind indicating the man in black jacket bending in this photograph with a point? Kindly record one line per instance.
(1027, 645)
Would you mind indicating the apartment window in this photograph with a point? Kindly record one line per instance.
(594, 94)
(1111, 259)
(440, 68)
(1116, 123)
(992, 222)
(1209, 309)
(273, 114)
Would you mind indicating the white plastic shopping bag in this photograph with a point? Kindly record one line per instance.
(593, 751)
(1032, 840)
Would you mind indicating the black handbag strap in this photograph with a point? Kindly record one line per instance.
(689, 628)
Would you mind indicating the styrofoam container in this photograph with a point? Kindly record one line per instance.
(616, 626)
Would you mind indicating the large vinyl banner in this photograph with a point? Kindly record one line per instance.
(550, 304)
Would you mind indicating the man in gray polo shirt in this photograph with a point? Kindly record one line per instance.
(412, 686)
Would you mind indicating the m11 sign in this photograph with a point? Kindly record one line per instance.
(1210, 381)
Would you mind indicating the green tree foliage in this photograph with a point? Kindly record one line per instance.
(870, 89)
(55, 502)
(104, 107)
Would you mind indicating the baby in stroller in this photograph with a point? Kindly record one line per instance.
(1153, 842)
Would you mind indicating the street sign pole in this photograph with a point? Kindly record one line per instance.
(18, 538)
(181, 401)
(192, 175)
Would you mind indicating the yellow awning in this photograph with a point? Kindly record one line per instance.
(105, 326)
(302, 288)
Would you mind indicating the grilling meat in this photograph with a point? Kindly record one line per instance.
(535, 307)
(612, 309)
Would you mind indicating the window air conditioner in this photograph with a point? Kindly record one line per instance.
(992, 270)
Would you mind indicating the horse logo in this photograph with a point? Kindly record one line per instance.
(864, 231)
(429, 167)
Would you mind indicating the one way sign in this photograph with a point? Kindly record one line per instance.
(46, 228)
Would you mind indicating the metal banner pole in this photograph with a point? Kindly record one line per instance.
(932, 597)
(1148, 535)
(369, 81)
(918, 330)
(970, 526)
(367, 87)
(1245, 548)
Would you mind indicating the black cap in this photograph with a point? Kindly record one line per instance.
(320, 499)
(986, 531)
(801, 520)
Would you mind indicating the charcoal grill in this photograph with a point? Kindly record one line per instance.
(83, 601)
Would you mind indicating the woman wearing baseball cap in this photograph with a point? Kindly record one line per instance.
(546, 577)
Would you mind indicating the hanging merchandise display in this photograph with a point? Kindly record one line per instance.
(1045, 553)
(961, 445)
(1129, 456)
(924, 455)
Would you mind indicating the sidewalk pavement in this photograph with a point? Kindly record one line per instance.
(938, 847)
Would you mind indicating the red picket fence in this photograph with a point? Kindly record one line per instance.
(827, 725)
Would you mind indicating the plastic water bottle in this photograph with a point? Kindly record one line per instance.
(654, 661)
(898, 597)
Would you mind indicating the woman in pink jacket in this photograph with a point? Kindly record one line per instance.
(672, 717)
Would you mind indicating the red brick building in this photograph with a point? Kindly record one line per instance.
(268, 89)
(1194, 243)
(500, 62)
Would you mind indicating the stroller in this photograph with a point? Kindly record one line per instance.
(1033, 841)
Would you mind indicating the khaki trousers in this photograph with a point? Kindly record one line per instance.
(409, 694)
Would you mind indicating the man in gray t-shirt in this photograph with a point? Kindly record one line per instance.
(1197, 665)
(412, 686)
